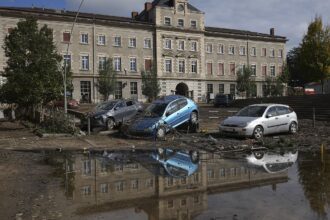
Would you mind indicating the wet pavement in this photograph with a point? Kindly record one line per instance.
(165, 183)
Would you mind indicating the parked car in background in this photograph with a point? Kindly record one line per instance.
(259, 120)
(164, 114)
(71, 103)
(223, 100)
(272, 162)
(112, 113)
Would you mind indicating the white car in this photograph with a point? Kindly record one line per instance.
(272, 162)
(261, 119)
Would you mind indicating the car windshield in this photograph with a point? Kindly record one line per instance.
(252, 111)
(176, 171)
(155, 110)
(106, 105)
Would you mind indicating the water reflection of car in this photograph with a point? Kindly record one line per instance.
(177, 163)
(166, 113)
(112, 113)
(261, 119)
(273, 162)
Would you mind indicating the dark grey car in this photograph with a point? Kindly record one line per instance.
(112, 113)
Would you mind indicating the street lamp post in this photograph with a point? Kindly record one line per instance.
(65, 62)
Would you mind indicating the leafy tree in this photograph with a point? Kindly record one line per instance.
(294, 68)
(245, 81)
(315, 52)
(150, 84)
(107, 81)
(33, 72)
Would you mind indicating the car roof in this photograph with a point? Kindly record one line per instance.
(168, 99)
(269, 104)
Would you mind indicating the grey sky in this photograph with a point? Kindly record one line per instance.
(290, 18)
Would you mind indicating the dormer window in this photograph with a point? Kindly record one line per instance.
(167, 21)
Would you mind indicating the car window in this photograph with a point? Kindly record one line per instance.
(252, 111)
(272, 112)
(129, 103)
(155, 110)
(106, 105)
(182, 103)
(173, 107)
(121, 105)
(282, 110)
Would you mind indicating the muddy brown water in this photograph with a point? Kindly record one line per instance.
(164, 184)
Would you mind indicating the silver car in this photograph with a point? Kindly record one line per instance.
(273, 162)
(112, 113)
(262, 119)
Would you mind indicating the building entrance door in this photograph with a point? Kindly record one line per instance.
(182, 89)
(85, 91)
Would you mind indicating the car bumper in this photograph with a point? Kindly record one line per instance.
(140, 133)
(94, 123)
(236, 131)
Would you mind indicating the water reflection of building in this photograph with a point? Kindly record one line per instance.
(103, 187)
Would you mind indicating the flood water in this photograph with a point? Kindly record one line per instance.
(179, 184)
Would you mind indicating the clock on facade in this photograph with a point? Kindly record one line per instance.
(180, 7)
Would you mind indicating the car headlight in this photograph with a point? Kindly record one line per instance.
(243, 124)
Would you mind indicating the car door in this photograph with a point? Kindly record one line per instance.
(120, 111)
(184, 111)
(283, 117)
(131, 110)
(172, 114)
(272, 121)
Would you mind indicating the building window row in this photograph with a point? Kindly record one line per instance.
(102, 41)
(242, 50)
(117, 63)
(181, 45)
(232, 69)
(181, 65)
(180, 22)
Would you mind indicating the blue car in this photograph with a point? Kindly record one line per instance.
(177, 164)
(165, 114)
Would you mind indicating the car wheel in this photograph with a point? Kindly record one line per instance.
(258, 133)
(193, 118)
(293, 128)
(258, 154)
(110, 124)
(194, 156)
(160, 151)
(161, 132)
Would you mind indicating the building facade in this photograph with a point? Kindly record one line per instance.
(190, 58)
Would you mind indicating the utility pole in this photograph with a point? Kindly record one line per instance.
(65, 62)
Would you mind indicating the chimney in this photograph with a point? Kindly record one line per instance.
(147, 6)
(272, 32)
(134, 14)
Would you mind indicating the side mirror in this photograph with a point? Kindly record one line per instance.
(115, 108)
(167, 114)
(269, 115)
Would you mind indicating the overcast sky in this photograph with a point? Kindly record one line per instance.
(290, 18)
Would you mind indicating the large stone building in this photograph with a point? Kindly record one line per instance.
(190, 58)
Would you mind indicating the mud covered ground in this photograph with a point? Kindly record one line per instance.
(28, 191)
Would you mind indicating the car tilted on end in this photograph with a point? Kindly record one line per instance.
(259, 120)
(164, 114)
